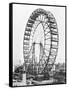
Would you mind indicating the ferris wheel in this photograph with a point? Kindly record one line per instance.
(44, 41)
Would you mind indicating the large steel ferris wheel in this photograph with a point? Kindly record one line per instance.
(48, 46)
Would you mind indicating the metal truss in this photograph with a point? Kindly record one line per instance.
(50, 47)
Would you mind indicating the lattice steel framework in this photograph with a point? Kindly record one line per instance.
(50, 48)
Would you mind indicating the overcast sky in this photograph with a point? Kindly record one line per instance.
(21, 13)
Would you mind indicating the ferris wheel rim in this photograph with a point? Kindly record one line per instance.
(29, 28)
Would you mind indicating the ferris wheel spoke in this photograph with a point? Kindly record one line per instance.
(47, 38)
(47, 44)
(47, 32)
(45, 27)
(45, 55)
(47, 50)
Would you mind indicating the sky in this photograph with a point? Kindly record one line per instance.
(21, 14)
